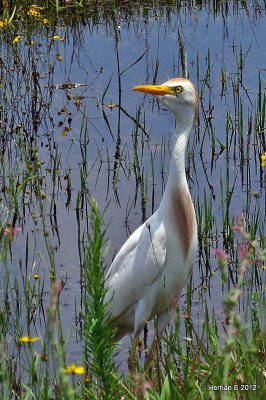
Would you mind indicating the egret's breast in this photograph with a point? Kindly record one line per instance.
(183, 218)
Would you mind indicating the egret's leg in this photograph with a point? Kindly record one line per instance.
(142, 310)
(162, 321)
(132, 359)
(151, 355)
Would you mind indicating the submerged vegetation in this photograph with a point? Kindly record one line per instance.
(71, 131)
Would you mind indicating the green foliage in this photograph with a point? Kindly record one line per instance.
(98, 335)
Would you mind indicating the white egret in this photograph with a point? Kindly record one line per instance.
(152, 267)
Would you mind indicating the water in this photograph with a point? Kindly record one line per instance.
(225, 54)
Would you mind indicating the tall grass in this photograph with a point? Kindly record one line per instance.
(98, 334)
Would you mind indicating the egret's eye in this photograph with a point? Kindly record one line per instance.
(179, 89)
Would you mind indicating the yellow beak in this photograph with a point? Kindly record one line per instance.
(158, 90)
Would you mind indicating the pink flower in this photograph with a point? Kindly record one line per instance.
(243, 250)
(142, 384)
(220, 254)
(239, 226)
(11, 231)
(146, 385)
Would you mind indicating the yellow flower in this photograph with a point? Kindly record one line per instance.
(56, 37)
(65, 131)
(28, 339)
(36, 276)
(35, 7)
(74, 369)
(17, 39)
(3, 23)
(111, 106)
(264, 266)
(77, 102)
(52, 275)
(34, 11)
(45, 21)
(263, 160)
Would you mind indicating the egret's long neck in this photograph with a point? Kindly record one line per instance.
(177, 173)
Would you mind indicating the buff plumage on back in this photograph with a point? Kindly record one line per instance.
(183, 214)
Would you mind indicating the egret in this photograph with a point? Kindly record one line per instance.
(149, 272)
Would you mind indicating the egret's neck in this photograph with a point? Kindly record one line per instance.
(177, 173)
(177, 181)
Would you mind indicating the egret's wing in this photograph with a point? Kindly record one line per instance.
(137, 265)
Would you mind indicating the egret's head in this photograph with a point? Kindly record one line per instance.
(178, 95)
